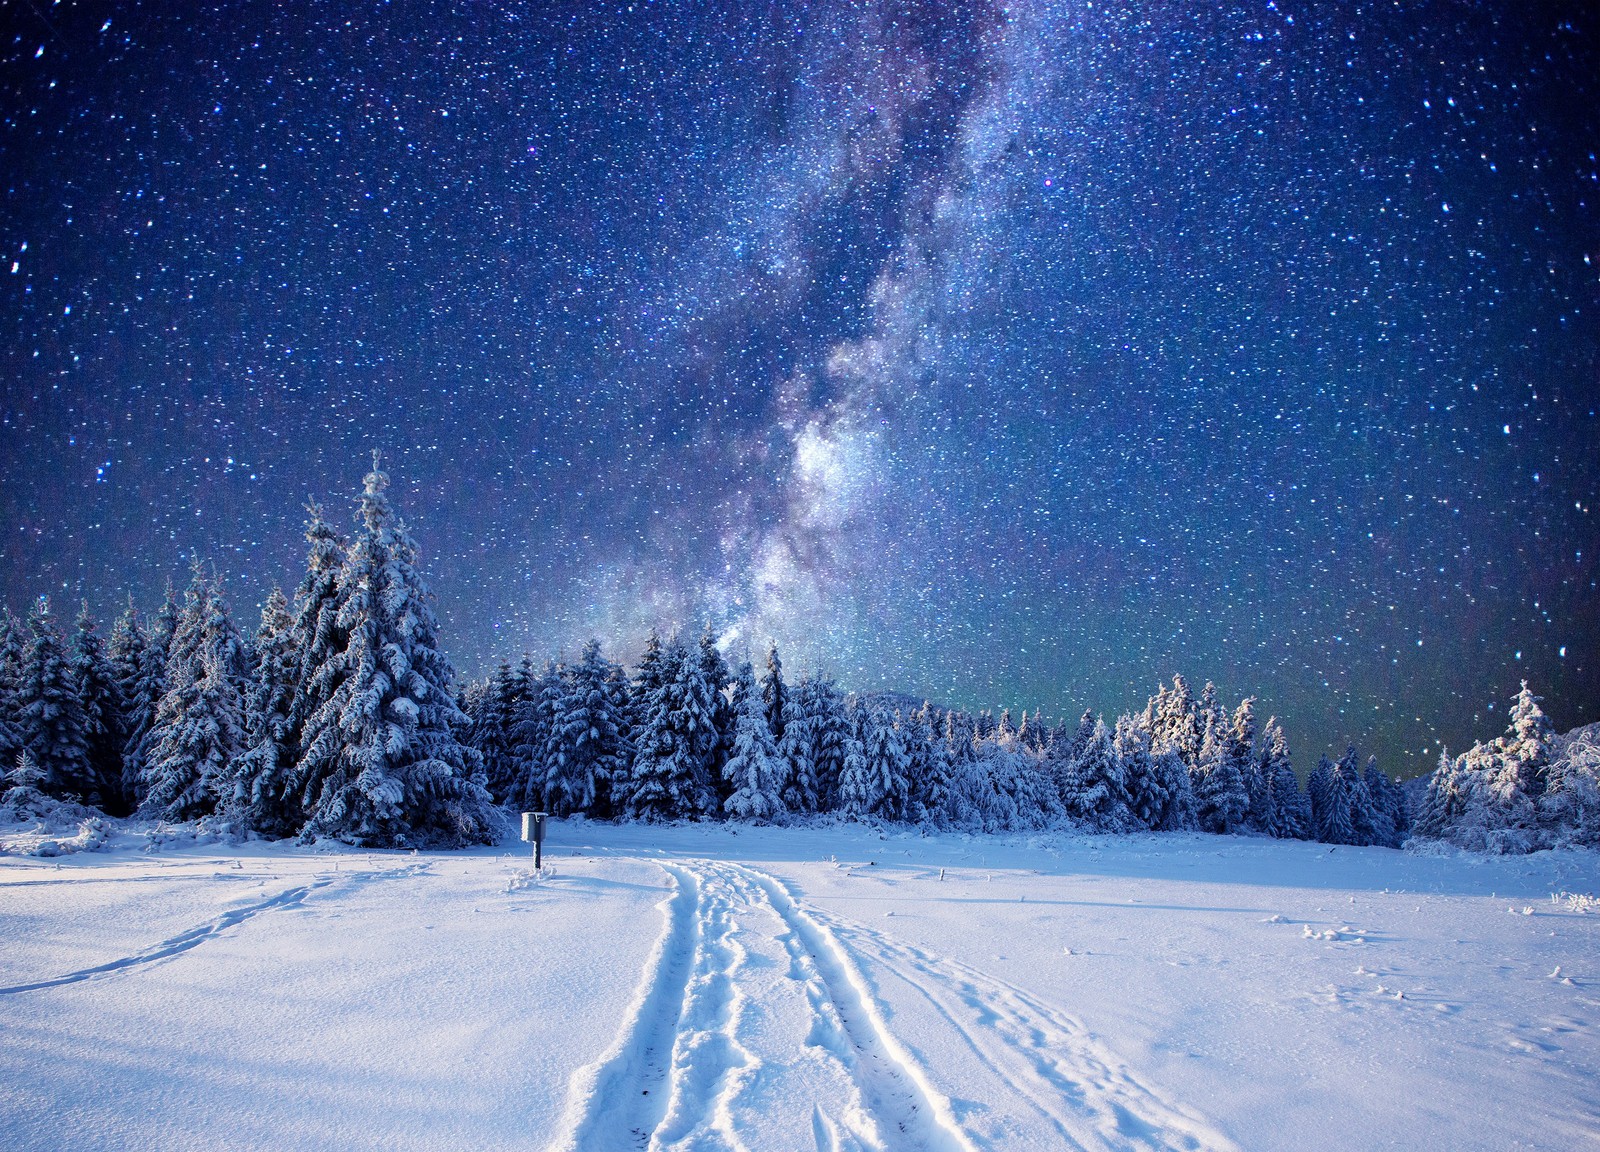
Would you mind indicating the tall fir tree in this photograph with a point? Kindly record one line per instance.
(319, 643)
(96, 685)
(795, 758)
(262, 794)
(1318, 785)
(49, 712)
(125, 652)
(586, 737)
(754, 772)
(774, 692)
(1219, 786)
(11, 663)
(198, 727)
(401, 775)
(669, 780)
(1286, 811)
(144, 697)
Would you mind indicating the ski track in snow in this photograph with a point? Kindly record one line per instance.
(731, 932)
(1071, 1082)
(193, 937)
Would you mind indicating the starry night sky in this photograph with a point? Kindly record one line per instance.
(1005, 355)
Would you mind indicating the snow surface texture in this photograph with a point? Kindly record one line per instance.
(712, 987)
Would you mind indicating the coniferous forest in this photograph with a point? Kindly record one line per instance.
(339, 716)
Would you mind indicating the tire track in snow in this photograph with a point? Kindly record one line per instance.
(910, 1112)
(1071, 1081)
(175, 945)
(619, 1101)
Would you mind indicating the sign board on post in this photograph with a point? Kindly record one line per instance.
(533, 829)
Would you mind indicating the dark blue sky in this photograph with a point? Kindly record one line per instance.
(1007, 356)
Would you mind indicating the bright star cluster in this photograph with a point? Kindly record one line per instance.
(1007, 354)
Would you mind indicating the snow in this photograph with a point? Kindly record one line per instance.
(721, 987)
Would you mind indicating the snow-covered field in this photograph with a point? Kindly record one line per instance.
(736, 988)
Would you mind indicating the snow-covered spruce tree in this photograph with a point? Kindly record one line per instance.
(823, 707)
(1318, 783)
(1286, 810)
(925, 769)
(1148, 800)
(401, 775)
(1079, 740)
(1345, 802)
(1093, 785)
(754, 772)
(668, 781)
(774, 692)
(493, 718)
(198, 727)
(145, 695)
(319, 656)
(125, 652)
(797, 770)
(970, 802)
(96, 686)
(585, 739)
(262, 796)
(531, 733)
(1569, 809)
(888, 786)
(1243, 741)
(49, 713)
(856, 794)
(718, 677)
(10, 676)
(1218, 782)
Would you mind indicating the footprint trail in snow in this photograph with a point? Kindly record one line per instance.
(755, 1027)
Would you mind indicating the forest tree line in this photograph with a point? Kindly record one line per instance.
(341, 717)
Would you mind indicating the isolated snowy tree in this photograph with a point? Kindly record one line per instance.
(95, 684)
(49, 712)
(261, 793)
(400, 775)
(754, 773)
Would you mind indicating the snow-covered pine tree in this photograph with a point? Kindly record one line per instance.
(824, 711)
(717, 675)
(1243, 748)
(1148, 801)
(144, 697)
(198, 726)
(1093, 784)
(887, 787)
(926, 771)
(49, 712)
(855, 784)
(96, 686)
(1434, 814)
(586, 737)
(1286, 810)
(1344, 808)
(774, 692)
(1526, 745)
(319, 659)
(262, 796)
(1318, 784)
(668, 779)
(11, 658)
(125, 653)
(1080, 737)
(401, 776)
(1388, 806)
(532, 730)
(797, 770)
(1219, 789)
(754, 773)
(493, 721)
